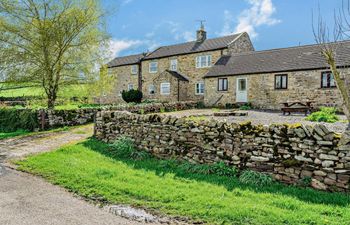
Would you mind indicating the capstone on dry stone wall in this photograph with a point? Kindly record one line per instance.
(288, 152)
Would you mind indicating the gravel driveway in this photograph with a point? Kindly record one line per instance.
(262, 117)
(29, 200)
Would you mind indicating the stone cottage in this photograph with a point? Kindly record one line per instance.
(268, 78)
(227, 70)
(175, 72)
(128, 75)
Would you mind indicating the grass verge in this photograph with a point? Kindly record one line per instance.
(22, 133)
(13, 134)
(90, 169)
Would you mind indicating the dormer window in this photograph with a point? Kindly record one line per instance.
(173, 64)
(153, 67)
(203, 61)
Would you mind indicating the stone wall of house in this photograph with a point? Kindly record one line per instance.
(288, 152)
(186, 66)
(242, 44)
(178, 88)
(123, 79)
(302, 86)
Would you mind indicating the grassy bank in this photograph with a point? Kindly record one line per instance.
(13, 134)
(90, 170)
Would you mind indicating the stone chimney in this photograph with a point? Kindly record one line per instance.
(201, 34)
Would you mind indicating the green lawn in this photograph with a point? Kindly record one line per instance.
(13, 134)
(89, 170)
(65, 92)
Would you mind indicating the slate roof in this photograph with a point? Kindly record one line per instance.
(278, 60)
(126, 60)
(177, 75)
(193, 47)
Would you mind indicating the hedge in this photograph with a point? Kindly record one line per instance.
(15, 119)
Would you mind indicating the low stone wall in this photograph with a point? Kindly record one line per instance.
(288, 152)
(59, 118)
(155, 107)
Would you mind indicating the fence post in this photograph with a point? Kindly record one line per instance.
(42, 119)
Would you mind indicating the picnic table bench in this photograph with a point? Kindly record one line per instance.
(297, 106)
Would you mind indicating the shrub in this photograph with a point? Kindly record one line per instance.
(246, 106)
(229, 106)
(12, 119)
(326, 114)
(124, 148)
(132, 96)
(255, 178)
(305, 181)
(220, 169)
(200, 105)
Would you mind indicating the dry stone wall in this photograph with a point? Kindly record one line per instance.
(59, 118)
(289, 152)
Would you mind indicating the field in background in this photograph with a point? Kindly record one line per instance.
(27, 89)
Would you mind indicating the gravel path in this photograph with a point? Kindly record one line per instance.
(29, 200)
(262, 117)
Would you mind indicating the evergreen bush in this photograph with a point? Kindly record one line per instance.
(132, 96)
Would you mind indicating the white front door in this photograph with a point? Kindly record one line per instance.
(241, 90)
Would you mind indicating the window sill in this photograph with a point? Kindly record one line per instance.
(203, 67)
(281, 89)
(327, 88)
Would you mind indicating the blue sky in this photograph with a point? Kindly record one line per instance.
(140, 25)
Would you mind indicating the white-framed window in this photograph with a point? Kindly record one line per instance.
(151, 89)
(165, 88)
(134, 69)
(153, 67)
(173, 64)
(203, 61)
(200, 88)
(222, 84)
(130, 87)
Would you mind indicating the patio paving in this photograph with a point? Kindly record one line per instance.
(261, 117)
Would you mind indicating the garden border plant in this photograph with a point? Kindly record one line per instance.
(325, 114)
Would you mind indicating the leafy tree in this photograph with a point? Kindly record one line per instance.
(51, 42)
(103, 85)
(329, 46)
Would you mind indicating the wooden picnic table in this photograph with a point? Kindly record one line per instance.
(297, 106)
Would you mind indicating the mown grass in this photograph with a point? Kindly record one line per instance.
(22, 90)
(13, 134)
(89, 169)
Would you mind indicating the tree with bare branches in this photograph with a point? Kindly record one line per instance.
(51, 42)
(330, 41)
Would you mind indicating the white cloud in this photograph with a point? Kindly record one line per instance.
(125, 2)
(260, 13)
(188, 36)
(117, 46)
(228, 19)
